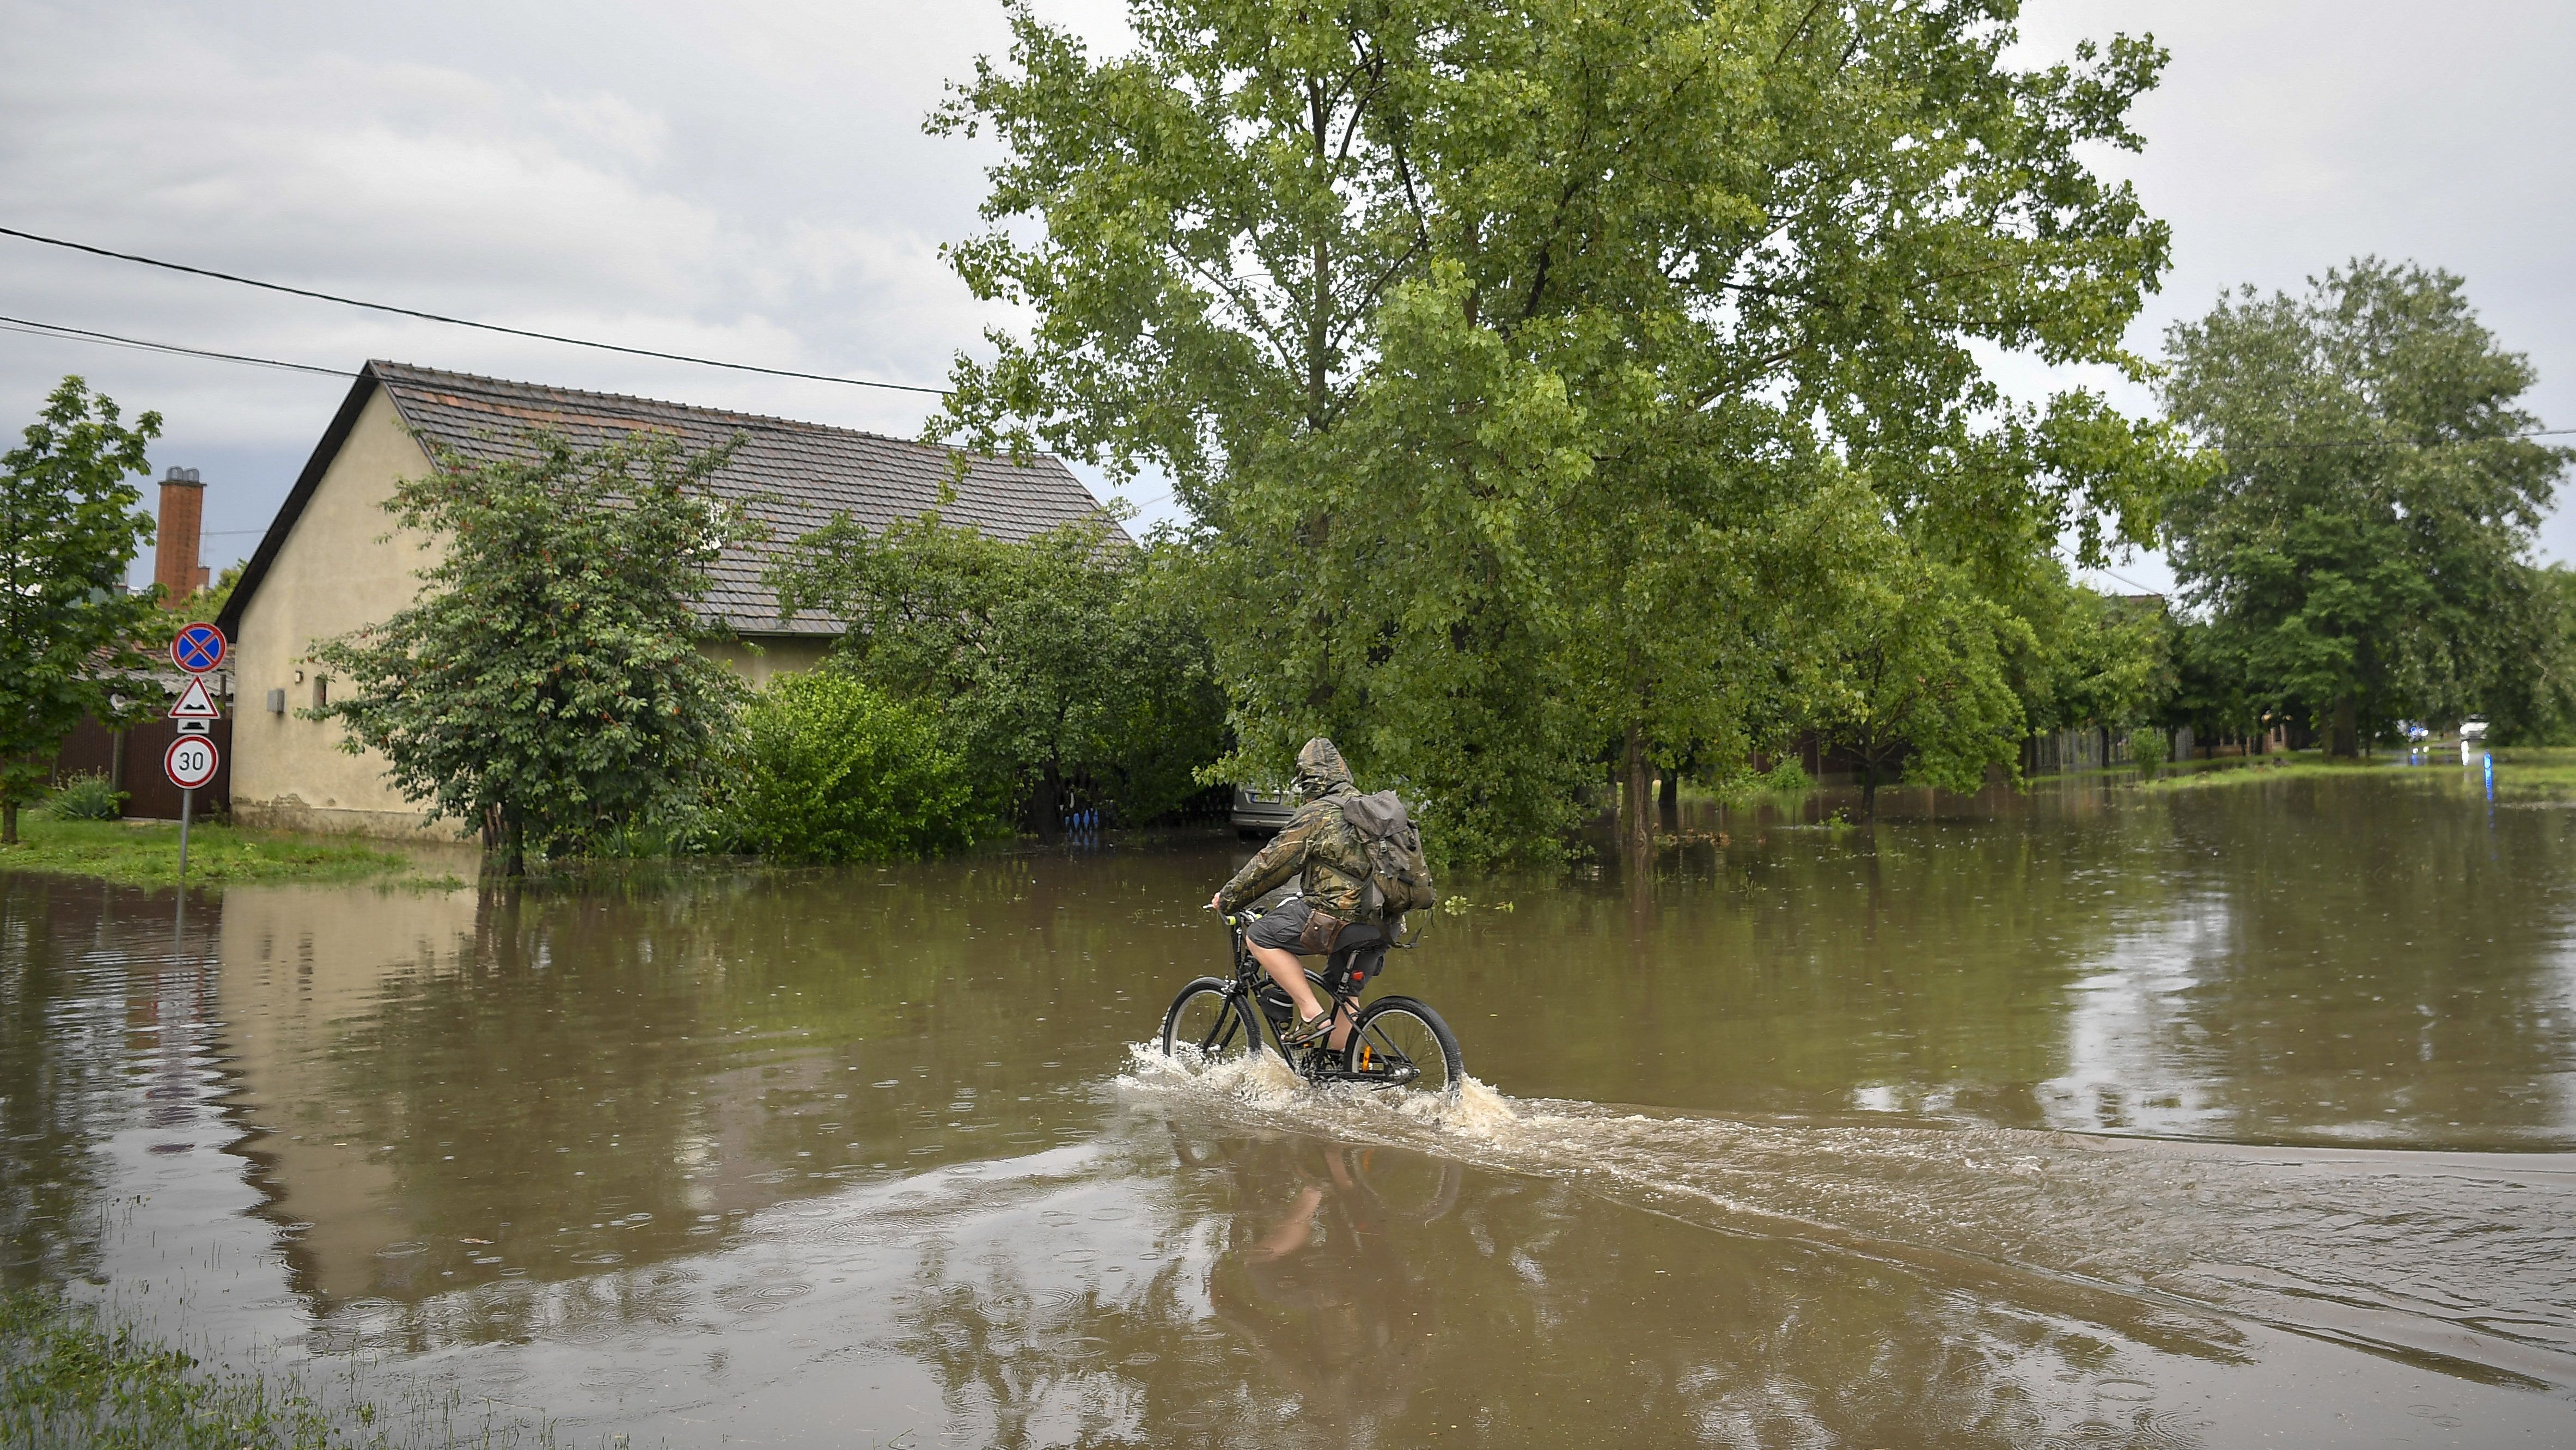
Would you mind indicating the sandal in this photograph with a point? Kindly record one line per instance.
(1309, 1029)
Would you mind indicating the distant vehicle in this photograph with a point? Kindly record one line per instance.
(2473, 728)
(2413, 731)
(1260, 812)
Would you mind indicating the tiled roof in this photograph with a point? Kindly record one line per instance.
(792, 476)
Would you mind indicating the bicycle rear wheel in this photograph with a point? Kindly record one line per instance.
(1402, 1043)
(1208, 1021)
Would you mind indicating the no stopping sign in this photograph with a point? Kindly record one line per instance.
(190, 762)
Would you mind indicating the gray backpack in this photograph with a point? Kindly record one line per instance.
(1399, 879)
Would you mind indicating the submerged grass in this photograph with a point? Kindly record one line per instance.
(148, 854)
(69, 1376)
(2536, 770)
(2527, 771)
(2255, 770)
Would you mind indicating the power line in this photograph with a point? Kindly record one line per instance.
(2123, 578)
(462, 321)
(2399, 442)
(82, 334)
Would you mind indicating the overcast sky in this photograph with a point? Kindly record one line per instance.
(751, 182)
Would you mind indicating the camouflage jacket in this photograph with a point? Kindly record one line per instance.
(1325, 847)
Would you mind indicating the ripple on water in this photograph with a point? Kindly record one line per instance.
(2398, 1249)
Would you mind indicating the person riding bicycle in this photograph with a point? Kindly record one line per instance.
(1322, 848)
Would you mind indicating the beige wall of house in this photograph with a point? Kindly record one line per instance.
(336, 572)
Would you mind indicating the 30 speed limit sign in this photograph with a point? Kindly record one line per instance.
(190, 761)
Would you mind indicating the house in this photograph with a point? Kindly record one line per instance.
(331, 561)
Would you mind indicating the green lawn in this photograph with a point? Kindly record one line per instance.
(148, 854)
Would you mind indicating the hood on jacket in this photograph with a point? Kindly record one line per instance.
(1321, 771)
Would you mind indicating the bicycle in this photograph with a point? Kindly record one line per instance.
(1395, 1042)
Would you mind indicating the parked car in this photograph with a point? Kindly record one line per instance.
(2473, 728)
(1260, 812)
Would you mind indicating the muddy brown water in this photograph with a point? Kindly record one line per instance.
(2087, 1117)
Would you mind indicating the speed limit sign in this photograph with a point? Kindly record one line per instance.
(190, 762)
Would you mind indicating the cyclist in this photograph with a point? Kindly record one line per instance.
(1321, 848)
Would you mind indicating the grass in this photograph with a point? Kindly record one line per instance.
(2530, 771)
(148, 854)
(70, 1376)
(2252, 770)
(67, 1378)
(2536, 770)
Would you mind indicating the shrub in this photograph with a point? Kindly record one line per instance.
(86, 798)
(828, 768)
(2147, 748)
(1788, 778)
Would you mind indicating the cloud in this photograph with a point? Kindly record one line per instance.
(753, 184)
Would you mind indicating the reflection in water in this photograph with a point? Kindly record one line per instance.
(473, 1086)
(1320, 1284)
(1298, 1303)
(864, 1153)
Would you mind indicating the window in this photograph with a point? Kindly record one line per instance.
(321, 691)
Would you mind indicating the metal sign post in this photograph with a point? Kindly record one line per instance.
(191, 760)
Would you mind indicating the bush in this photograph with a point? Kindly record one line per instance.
(86, 798)
(829, 768)
(2147, 748)
(1788, 778)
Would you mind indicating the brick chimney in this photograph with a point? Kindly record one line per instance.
(174, 557)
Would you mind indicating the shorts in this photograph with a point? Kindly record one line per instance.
(1278, 928)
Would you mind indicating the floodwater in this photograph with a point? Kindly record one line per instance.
(2089, 1117)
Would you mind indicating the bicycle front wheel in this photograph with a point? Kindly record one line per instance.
(1402, 1043)
(1208, 1022)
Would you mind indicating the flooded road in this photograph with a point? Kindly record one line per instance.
(2236, 1116)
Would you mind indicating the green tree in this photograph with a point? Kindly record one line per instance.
(1923, 682)
(2535, 702)
(546, 685)
(2092, 659)
(1530, 367)
(2361, 557)
(71, 638)
(1057, 659)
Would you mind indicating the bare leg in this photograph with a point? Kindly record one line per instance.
(1342, 1023)
(1290, 974)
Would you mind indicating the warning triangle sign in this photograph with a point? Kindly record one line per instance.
(194, 702)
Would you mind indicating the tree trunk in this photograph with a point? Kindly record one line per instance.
(2344, 740)
(1637, 829)
(8, 823)
(1050, 804)
(514, 844)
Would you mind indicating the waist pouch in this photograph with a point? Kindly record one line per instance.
(1317, 934)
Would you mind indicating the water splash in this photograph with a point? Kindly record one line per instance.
(1266, 1085)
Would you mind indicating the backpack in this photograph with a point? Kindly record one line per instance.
(1399, 879)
